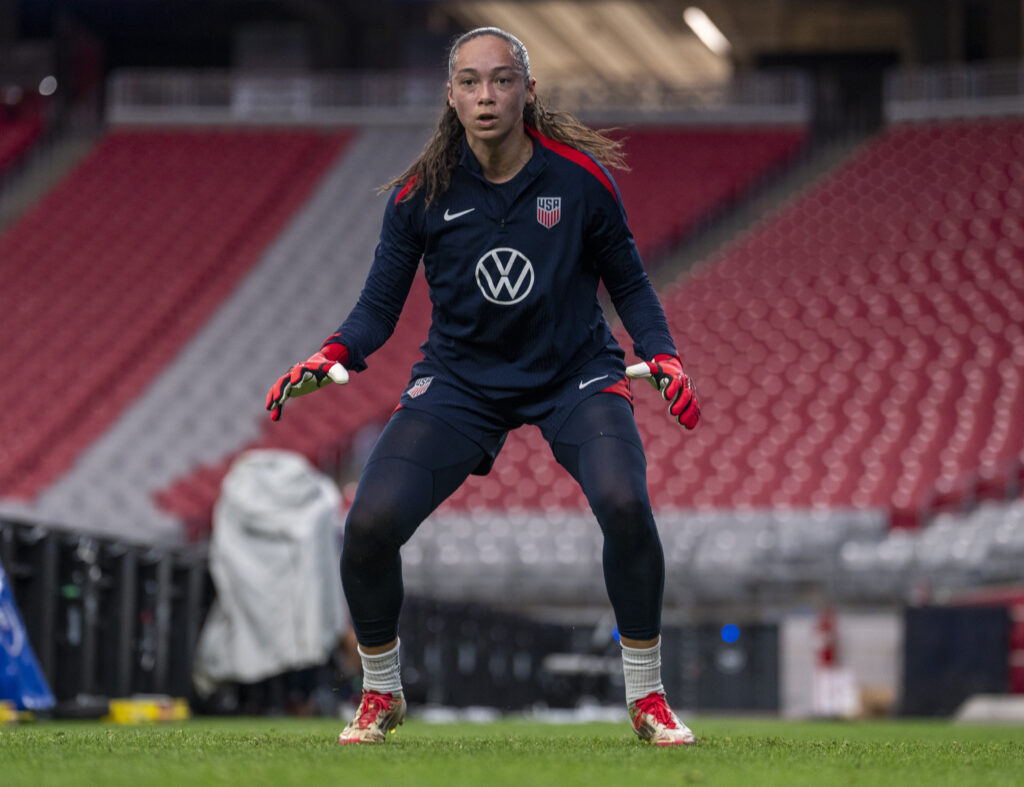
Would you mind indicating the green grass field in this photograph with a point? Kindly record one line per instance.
(516, 753)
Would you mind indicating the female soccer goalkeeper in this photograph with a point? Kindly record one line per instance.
(517, 221)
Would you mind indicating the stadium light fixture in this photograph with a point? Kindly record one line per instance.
(707, 31)
(48, 86)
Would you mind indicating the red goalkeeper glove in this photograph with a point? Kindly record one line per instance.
(323, 367)
(666, 374)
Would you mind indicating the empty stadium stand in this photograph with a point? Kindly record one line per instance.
(865, 344)
(111, 274)
(694, 178)
(155, 456)
(169, 452)
(954, 553)
(860, 350)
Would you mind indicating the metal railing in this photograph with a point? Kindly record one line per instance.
(957, 91)
(160, 96)
(910, 93)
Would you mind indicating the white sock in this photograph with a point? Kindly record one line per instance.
(642, 669)
(381, 671)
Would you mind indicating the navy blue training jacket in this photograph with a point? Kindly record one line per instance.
(513, 272)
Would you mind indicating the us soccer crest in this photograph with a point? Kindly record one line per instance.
(549, 211)
(419, 386)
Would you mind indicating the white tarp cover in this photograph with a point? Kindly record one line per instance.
(274, 562)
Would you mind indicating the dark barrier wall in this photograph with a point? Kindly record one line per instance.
(105, 618)
(110, 619)
(741, 675)
(466, 654)
(950, 653)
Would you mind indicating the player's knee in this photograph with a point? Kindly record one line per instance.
(624, 515)
(370, 529)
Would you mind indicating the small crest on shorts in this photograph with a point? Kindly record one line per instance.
(419, 386)
(549, 211)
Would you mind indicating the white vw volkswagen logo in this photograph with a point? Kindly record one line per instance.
(504, 276)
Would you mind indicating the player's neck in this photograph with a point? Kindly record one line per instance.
(500, 161)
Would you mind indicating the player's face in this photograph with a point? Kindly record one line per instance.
(488, 90)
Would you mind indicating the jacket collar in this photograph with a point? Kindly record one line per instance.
(534, 166)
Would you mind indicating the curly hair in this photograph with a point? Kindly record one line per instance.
(433, 168)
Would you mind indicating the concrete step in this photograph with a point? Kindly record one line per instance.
(43, 169)
(766, 200)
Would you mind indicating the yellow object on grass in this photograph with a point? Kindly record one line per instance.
(147, 709)
(9, 713)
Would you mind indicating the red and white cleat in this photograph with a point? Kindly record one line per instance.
(377, 715)
(655, 723)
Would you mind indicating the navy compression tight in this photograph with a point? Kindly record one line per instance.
(420, 460)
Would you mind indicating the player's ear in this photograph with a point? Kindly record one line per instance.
(451, 101)
(531, 91)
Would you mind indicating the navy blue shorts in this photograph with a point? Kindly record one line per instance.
(487, 420)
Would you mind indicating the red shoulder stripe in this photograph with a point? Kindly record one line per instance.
(575, 156)
(405, 189)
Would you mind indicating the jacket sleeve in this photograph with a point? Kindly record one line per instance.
(619, 265)
(372, 320)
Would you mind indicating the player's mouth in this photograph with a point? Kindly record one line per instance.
(486, 121)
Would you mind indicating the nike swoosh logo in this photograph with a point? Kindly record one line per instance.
(588, 382)
(449, 216)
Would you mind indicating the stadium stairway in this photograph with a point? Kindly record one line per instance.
(155, 229)
(40, 170)
(762, 203)
(681, 179)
